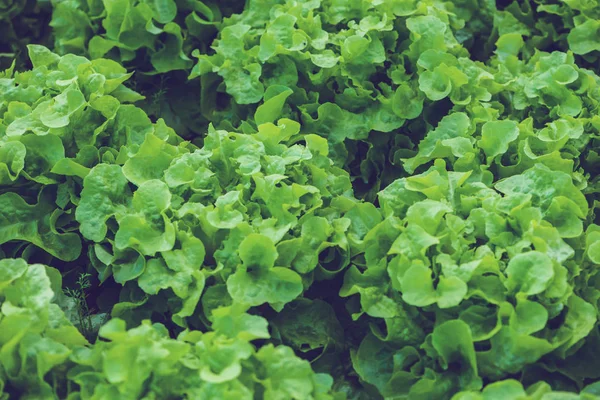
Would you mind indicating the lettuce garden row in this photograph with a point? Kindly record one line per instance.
(280, 199)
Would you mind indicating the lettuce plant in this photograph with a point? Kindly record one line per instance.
(39, 345)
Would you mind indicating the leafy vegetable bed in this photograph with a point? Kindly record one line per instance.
(285, 199)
